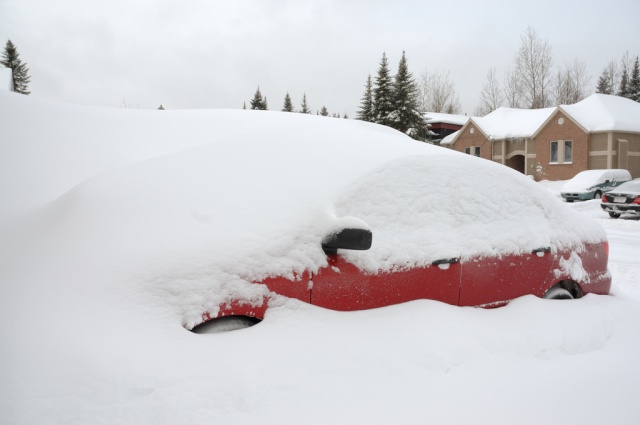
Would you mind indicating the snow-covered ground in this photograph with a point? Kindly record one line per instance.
(87, 337)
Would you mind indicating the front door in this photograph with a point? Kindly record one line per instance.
(342, 286)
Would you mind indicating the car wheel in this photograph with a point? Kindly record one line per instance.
(225, 324)
(614, 214)
(558, 293)
(598, 195)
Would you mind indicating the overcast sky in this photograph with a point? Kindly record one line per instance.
(214, 54)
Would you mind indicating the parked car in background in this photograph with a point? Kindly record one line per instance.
(622, 200)
(591, 184)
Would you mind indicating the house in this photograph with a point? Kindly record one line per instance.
(601, 131)
(6, 78)
(441, 125)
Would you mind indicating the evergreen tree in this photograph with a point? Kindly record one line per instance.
(288, 106)
(634, 82)
(244, 105)
(305, 107)
(258, 102)
(623, 90)
(365, 112)
(324, 112)
(406, 117)
(383, 94)
(11, 59)
(604, 83)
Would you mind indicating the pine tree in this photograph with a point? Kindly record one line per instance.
(406, 117)
(288, 106)
(258, 102)
(604, 83)
(11, 59)
(365, 112)
(383, 94)
(634, 82)
(305, 107)
(324, 111)
(623, 89)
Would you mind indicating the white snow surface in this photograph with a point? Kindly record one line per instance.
(118, 227)
(602, 112)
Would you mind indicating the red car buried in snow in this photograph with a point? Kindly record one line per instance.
(413, 228)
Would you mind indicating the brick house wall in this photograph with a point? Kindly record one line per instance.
(559, 127)
(471, 137)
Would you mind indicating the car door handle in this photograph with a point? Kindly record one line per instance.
(444, 263)
(541, 251)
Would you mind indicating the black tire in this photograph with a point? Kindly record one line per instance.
(597, 195)
(558, 293)
(225, 324)
(614, 214)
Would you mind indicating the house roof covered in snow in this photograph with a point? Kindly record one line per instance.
(6, 78)
(602, 112)
(596, 113)
(449, 139)
(433, 117)
(506, 123)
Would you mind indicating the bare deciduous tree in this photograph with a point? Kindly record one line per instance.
(491, 96)
(571, 83)
(612, 74)
(513, 89)
(438, 93)
(533, 67)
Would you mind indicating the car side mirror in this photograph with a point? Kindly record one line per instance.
(356, 239)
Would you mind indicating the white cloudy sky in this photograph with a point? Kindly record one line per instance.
(213, 54)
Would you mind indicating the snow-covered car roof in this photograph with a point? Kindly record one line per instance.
(589, 178)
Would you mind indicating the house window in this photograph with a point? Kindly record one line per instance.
(568, 151)
(561, 152)
(472, 150)
(554, 152)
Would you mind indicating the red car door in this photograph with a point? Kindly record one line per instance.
(342, 286)
(491, 280)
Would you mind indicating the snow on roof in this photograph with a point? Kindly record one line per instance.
(506, 123)
(449, 139)
(6, 78)
(602, 112)
(433, 117)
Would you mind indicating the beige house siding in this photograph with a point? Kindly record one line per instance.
(598, 142)
(627, 152)
(597, 162)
